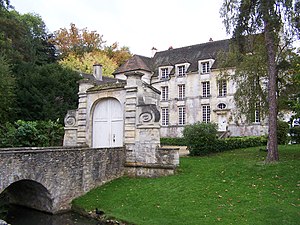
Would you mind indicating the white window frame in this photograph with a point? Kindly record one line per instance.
(222, 88)
(164, 73)
(205, 67)
(257, 113)
(206, 112)
(164, 116)
(181, 70)
(164, 93)
(181, 115)
(181, 91)
(205, 89)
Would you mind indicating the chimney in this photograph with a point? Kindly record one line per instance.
(97, 68)
(153, 51)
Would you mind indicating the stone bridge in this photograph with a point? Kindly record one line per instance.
(48, 179)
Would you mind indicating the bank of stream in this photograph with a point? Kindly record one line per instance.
(18, 215)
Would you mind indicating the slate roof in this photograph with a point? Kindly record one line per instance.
(137, 62)
(105, 80)
(190, 54)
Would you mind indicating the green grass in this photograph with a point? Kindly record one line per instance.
(233, 187)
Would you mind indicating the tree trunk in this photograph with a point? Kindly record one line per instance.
(272, 97)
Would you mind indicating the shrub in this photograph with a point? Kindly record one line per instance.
(200, 138)
(178, 141)
(31, 134)
(295, 135)
(282, 132)
(240, 142)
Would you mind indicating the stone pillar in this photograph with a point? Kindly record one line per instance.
(144, 156)
(70, 137)
(133, 81)
(82, 113)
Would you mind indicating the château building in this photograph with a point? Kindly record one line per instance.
(192, 89)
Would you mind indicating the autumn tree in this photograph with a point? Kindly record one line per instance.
(85, 62)
(275, 20)
(76, 41)
(118, 54)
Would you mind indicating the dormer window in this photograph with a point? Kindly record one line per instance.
(181, 71)
(164, 73)
(205, 67)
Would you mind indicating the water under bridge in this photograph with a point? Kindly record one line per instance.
(48, 179)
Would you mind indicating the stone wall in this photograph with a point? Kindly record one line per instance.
(58, 175)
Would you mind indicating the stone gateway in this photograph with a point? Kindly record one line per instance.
(114, 113)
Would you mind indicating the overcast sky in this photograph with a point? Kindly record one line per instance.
(137, 24)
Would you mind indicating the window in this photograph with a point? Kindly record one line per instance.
(205, 89)
(164, 116)
(181, 115)
(206, 113)
(181, 91)
(164, 93)
(221, 106)
(222, 88)
(181, 71)
(205, 67)
(164, 73)
(257, 113)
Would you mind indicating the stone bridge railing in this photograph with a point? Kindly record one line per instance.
(48, 179)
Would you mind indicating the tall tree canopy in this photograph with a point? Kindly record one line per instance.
(7, 90)
(80, 49)
(24, 38)
(76, 41)
(85, 63)
(276, 20)
(117, 54)
(45, 91)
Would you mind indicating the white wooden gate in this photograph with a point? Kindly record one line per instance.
(108, 124)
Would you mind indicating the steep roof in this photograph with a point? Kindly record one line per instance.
(137, 62)
(189, 54)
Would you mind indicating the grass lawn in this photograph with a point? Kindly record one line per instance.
(233, 187)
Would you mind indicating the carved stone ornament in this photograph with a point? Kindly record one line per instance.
(145, 117)
(70, 118)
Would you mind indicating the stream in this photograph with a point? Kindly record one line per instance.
(18, 215)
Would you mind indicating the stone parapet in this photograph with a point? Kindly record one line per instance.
(56, 175)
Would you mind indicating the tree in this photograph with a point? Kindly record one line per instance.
(45, 92)
(76, 41)
(274, 19)
(118, 54)
(24, 38)
(85, 63)
(289, 97)
(5, 4)
(7, 89)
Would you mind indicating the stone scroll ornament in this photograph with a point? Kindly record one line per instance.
(149, 113)
(70, 118)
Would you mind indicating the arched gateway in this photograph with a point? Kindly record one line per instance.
(107, 124)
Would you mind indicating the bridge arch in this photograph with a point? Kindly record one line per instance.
(30, 194)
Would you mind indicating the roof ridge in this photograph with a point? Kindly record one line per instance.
(189, 46)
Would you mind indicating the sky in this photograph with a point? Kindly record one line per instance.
(137, 24)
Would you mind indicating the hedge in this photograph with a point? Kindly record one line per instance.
(177, 141)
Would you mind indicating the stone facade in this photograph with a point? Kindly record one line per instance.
(48, 179)
(193, 89)
(141, 122)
